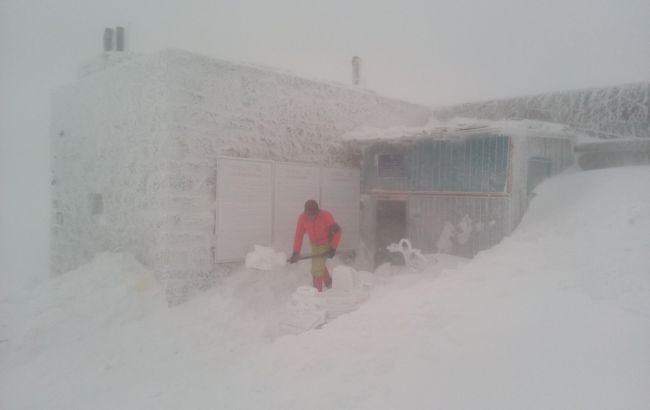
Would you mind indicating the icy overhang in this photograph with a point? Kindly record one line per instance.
(458, 129)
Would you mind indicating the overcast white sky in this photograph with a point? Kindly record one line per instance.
(431, 52)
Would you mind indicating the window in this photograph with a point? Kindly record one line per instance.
(471, 164)
(391, 165)
(457, 163)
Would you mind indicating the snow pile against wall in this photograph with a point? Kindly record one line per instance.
(110, 291)
(610, 112)
(135, 149)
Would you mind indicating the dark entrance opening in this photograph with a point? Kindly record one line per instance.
(538, 170)
(391, 227)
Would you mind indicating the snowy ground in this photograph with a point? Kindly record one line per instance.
(557, 316)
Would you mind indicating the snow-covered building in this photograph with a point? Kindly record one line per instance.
(136, 141)
(186, 162)
(455, 190)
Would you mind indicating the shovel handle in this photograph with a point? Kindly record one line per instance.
(320, 255)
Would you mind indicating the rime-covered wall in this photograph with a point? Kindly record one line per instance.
(218, 107)
(610, 112)
(107, 134)
(142, 139)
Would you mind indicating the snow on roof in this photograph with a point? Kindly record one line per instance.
(459, 127)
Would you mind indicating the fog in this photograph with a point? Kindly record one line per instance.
(434, 53)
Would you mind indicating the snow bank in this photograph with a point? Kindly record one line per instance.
(112, 289)
(556, 316)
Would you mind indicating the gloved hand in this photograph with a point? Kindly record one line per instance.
(331, 253)
(294, 257)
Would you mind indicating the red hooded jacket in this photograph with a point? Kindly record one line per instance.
(318, 230)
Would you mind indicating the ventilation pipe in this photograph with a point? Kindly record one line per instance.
(108, 39)
(114, 39)
(356, 70)
(119, 38)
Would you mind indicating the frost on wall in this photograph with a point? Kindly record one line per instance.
(135, 145)
(106, 181)
(246, 111)
(611, 112)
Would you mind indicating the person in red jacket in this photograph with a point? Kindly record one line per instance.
(324, 235)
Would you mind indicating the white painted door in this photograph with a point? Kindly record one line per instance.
(258, 203)
(244, 213)
(294, 184)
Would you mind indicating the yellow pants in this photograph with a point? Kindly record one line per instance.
(318, 267)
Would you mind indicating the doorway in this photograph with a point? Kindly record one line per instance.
(391, 227)
(538, 170)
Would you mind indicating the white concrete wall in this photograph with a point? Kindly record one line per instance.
(146, 135)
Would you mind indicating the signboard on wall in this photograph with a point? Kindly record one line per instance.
(243, 206)
(340, 192)
(294, 184)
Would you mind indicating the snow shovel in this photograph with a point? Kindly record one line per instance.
(319, 255)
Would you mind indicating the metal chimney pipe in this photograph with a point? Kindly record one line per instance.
(356, 70)
(108, 39)
(119, 38)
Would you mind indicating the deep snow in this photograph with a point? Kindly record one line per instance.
(557, 316)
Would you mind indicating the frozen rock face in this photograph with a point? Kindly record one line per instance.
(610, 112)
(134, 149)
